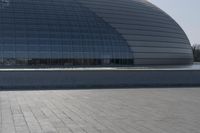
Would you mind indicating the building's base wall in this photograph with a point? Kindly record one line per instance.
(97, 79)
(162, 61)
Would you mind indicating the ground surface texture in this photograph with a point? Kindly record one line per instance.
(168, 110)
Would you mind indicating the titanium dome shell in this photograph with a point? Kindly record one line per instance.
(89, 32)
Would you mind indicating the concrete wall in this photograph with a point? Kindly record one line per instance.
(98, 78)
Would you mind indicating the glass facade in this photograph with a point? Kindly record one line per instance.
(89, 33)
(57, 32)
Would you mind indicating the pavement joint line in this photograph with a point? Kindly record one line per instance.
(94, 111)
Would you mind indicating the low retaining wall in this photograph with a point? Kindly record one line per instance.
(98, 78)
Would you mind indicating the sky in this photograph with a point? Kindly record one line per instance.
(186, 13)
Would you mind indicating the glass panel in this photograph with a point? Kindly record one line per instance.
(38, 33)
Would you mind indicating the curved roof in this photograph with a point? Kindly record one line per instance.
(91, 29)
(152, 35)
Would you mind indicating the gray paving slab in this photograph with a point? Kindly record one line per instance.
(169, 110)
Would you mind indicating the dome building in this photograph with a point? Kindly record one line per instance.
(89, 33)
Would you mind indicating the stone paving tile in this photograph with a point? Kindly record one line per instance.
(169, 110)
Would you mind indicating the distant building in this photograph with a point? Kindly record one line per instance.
(90, 33)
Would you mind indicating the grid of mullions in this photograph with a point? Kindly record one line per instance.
(63, 29)
(154, 37)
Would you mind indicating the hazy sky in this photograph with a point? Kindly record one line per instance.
(186, 13)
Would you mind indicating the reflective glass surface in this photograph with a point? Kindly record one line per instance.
(57, 32)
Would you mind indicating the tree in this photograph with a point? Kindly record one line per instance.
(196, 52)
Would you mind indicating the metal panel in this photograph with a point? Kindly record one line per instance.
(153, 36)
(91, 29)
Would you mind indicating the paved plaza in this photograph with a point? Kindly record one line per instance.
(173, 110)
